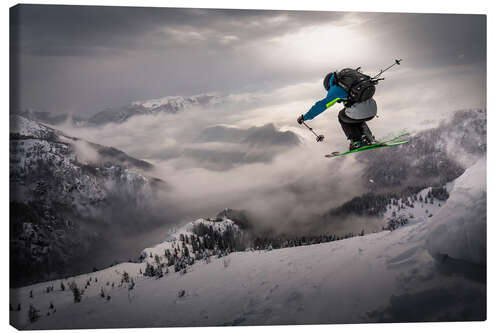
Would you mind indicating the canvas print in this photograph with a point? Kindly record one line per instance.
(205, 167)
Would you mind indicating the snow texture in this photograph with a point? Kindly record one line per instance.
(390, 276)
(459, 228)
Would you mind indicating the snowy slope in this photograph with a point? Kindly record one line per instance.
(387, 276)
(459, 230)
(59, 187)
(411, 210)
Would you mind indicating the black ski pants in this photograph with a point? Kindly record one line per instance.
(353, 128)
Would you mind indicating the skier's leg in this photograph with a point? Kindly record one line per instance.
(352, 128)
(366, 131)
(361, 113)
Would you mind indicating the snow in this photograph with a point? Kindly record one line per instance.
(459, 228)
(25, 127)
(173, 237)
(65, 155)
(178, 102)
(385, 276)
(420, 212)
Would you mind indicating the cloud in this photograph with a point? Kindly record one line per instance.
(248, 152)
(67, 30)
(245, 151)
(92, 57)
(266, 135)
(82, 59)
(213, 158)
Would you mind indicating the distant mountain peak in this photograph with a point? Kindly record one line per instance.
(168, 104)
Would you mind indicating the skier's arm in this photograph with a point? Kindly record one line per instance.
(335, 94)
(318, 108)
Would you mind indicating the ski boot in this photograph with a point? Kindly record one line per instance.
(367, 133)
(365, 141)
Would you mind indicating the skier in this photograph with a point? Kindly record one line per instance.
(355, 90)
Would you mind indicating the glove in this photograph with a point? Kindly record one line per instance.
(300, 120)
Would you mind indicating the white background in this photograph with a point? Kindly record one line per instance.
(423, 6)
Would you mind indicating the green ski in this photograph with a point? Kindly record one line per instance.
(386, 143)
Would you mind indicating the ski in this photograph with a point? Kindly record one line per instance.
(386, 143)
(370, 147)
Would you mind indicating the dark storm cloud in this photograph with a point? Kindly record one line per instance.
(429, 40)
(86, 58)
(95, 30)
(83, 59)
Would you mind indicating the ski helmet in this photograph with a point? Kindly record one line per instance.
(326, 81)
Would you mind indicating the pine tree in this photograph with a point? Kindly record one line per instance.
(77, 293)
(125, 277)
(131, 285)
(149, 271)
(33, 314)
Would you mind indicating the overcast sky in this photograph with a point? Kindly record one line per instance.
(82, 59)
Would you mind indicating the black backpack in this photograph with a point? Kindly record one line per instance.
(359, 87)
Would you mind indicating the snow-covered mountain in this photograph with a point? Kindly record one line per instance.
(169, 104)
(49, 118)
(64, 191)
(119, 114)
(433, 157)
(430, 268)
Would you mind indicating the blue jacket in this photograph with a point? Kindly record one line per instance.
(334, 94)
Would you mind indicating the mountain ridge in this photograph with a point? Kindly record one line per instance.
(63, 194)
(403, 281)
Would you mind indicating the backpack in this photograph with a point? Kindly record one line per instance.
(359, 87)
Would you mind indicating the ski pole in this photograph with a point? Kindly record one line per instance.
(319, 138)
(396, 62)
